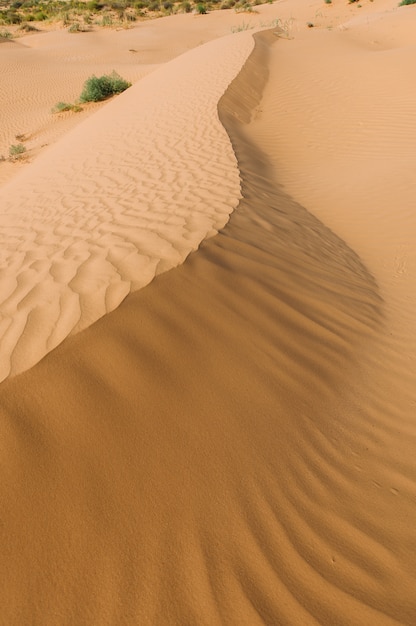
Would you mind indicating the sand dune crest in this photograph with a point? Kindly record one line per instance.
(235, 442)
(119, 199)
(193, 438)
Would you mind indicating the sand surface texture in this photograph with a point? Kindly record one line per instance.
(124, 196)
(235, 443)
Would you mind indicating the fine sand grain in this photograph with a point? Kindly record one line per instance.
(235, 443)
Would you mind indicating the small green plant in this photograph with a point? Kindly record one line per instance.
(6, 34)
(100, 88)
(328, 1)
(61, 107)
(406, 2)
(201, 9)
(16, 151)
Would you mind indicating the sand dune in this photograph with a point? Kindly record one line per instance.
(119, 199)
(234, 444)
(41, 69)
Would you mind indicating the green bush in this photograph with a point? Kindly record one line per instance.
(12, 18)
(96, 89)
(6, 34)
(94, 5)
(405, 2)
(201, 9)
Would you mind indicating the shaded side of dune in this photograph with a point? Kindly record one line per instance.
(181, 461)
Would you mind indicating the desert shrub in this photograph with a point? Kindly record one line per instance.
(76, 27)
(118, 6)
(201, 9)
(16, 150)
(61, 107)
(6, 34)
(406, 2)
(100, 88)
(243, 7)
(186, 7)
(28, 28)
(107, 20)
(12, 18)
(94, 6)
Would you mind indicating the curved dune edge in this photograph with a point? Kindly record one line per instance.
(125, 195)
(189, 457)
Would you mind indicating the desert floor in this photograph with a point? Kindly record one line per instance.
(207, 329)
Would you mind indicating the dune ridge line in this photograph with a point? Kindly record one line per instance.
(192, 454)
(119, 199)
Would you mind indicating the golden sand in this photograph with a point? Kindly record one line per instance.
(234, 444)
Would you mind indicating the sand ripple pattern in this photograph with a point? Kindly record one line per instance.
(218, 450)
(124, 196)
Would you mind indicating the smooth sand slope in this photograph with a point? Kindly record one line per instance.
(234, 444)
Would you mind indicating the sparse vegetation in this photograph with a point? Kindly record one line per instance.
(241, 27)
(100, 88)
(75, 14)
(406, 2)
(16, 151)
(61, 107)
(76, 27)
(28, 28)
(6, 34)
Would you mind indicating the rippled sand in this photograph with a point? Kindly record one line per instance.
(234, 444)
